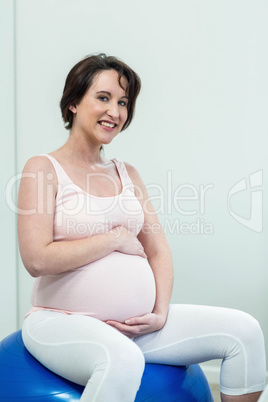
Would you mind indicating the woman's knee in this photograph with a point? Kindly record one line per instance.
(253, 341)
(129, 361)
(250, 332)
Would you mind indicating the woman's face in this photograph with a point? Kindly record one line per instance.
(102, 111)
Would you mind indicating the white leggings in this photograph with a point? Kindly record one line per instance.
(110, 365)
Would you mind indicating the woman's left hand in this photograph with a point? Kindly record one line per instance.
(138, 326)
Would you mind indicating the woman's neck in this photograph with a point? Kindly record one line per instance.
(78, 150)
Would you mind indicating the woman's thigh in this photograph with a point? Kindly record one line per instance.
(198, 333)
(194, 334)
(77, 346)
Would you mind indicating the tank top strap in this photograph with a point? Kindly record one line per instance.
(126, 180)
(63, 178)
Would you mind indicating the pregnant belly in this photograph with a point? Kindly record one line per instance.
(115, 287)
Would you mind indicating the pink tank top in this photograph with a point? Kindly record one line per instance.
(117, 286)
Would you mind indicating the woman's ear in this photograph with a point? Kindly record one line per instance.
(72, 108)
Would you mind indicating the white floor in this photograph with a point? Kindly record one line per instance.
(215, 389)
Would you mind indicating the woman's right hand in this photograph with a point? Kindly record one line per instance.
(127, 242)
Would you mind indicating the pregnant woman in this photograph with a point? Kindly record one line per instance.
(103, 272)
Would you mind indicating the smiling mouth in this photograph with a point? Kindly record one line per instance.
(106, 124)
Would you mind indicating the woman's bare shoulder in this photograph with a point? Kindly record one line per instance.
(38, 162)
(135, 177)
(132, 171)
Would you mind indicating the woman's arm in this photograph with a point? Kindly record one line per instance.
(156, 247)
(36, 206)
(159, 256)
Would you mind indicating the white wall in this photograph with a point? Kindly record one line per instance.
(8, 270)
(201, 120)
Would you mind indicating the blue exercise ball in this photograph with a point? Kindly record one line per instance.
(22, 377)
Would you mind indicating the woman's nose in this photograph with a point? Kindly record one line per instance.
(113, 110)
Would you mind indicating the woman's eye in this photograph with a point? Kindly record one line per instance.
(103, 98)
(123, 103)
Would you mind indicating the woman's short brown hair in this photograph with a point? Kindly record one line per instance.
(81, 77)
